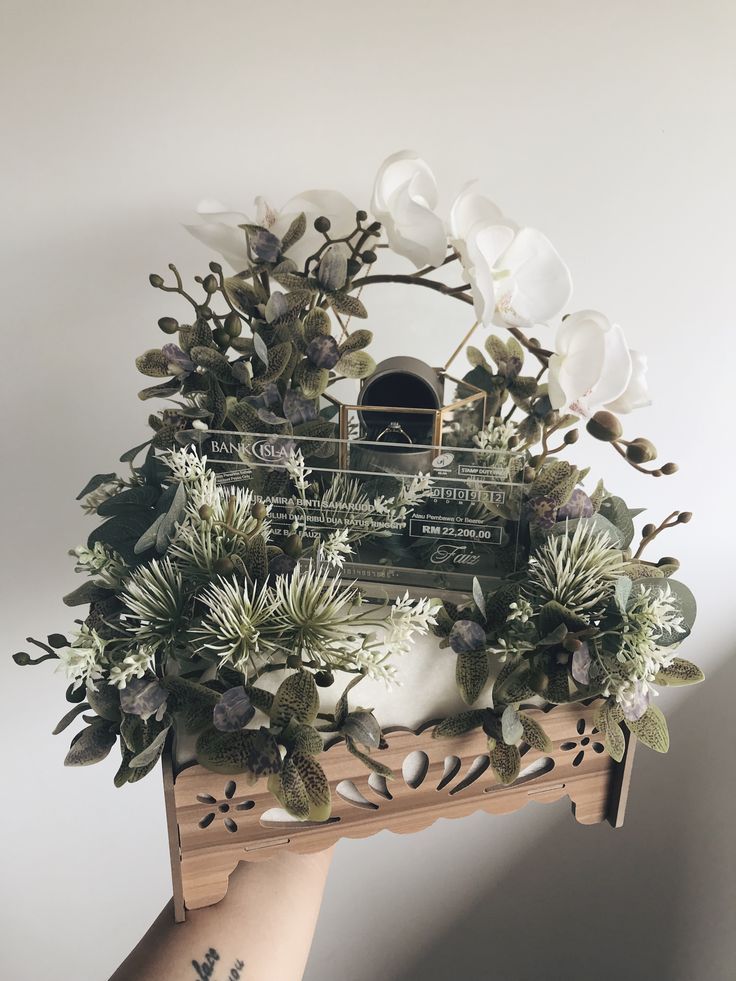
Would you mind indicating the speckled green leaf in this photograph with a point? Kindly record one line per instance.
(372, 764)
(252, 751)
(471, 674)
(505, 761)
(651, 729)
(458, 724)
(316, 785)
(297, 698)
(679, 672)
(91, 745)
(534, 734)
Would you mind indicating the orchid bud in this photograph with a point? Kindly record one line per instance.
(641, 450)
(604, 426)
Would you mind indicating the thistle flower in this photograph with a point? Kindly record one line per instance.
(218, 523)
(575, 570)
(187, 465)
(232, 627)
(154, 593)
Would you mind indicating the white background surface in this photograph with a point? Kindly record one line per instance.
(610, 127)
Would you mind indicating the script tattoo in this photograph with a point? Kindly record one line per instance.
(205, 970)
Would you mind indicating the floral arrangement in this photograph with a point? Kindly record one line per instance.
(193, 597)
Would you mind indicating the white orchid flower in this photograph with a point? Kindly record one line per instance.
(533, 284)
(517, 277)
(220, 231)
(636, 395)
(591, 366)
(404, 201)
(480, 235)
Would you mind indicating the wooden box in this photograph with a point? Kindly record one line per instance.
(217, 821)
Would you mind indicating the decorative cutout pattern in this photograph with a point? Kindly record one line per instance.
(219, 827)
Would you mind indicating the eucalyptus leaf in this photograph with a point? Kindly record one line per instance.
(260, 348)
(512, 729)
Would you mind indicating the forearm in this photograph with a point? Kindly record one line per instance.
(261, 931)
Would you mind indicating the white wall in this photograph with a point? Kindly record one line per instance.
(608, 126)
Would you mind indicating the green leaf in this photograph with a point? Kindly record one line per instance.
(471, 674)
(616, 511)
(288, 788)
(651, 729)
(349, 305)
(263, 700)
(132, 497)
(362, 727)
(556, 481)
(88, 592)
(248, 751)
(121, 532)
(312, 381)
(242, 295)
(306, 739)
(149, 756)
(191, 702)
(355, 364)
(475, 357)
(356, 341)
(512, 730)
(105, 702)
(153, 363)
(131, 454)
(607, 720)
(497, 349)
(70, 717)
(317, 324)
(505, 761)
(297, 698)
(534, 734)
(316, 785)
(341, 707)
(380, 768)
(90, 745)
(622, 592)
(553, 615)
(294, 232)
(457, 725)
(679, 672)
(94, 482)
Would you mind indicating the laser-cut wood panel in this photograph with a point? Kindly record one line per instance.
(217, 821)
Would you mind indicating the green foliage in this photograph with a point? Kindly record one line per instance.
(251, 751)
(534, 734)
(505, 761)
(458, 725)
(471, 674)
(297, 698)
(651, 729)
(91, 745)
(679, 672)
(608, 722)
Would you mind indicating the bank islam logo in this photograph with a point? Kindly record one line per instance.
(272, 451)
(443, 461)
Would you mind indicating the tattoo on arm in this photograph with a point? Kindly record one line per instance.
(204, 970)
